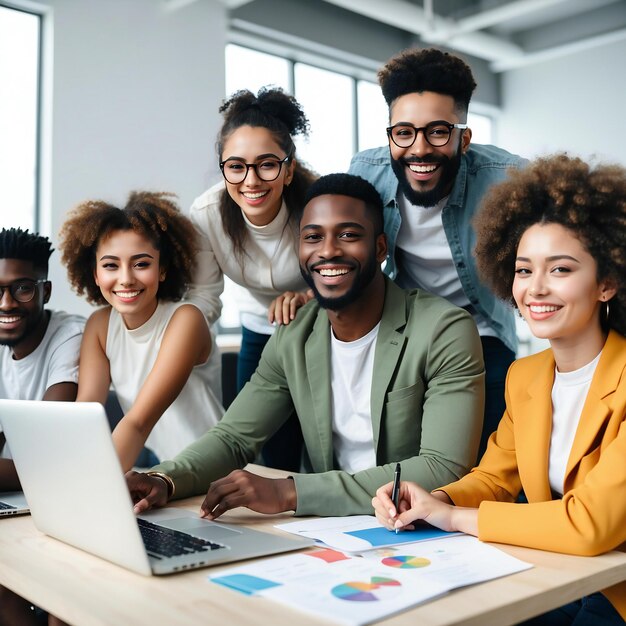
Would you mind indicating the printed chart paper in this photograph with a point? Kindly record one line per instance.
(356, 590)
(357, 533)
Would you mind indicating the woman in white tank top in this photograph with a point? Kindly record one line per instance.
(156, 351)
(553, 235)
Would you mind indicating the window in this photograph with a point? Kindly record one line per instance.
(20, 37)
(372, 115)
(328, 101)
(482, 127)
(346, 114)
(251, 69)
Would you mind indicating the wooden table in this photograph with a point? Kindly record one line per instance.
(87, 591)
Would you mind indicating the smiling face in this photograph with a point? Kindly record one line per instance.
(22, 324)
(340, 252)
(427, 173)
(128, 274)
(260, 200)
(557, 291)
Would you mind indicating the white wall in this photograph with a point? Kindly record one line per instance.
(135, 92)
(575, 103)
(134, 106)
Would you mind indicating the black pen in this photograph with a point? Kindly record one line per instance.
(395, 491)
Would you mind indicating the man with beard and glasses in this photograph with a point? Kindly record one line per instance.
(432, 181)
(376, 375)
(38, 348)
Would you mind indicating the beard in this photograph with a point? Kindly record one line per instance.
(449, 167)
(364, 276)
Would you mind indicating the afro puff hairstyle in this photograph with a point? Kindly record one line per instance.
(271, 108)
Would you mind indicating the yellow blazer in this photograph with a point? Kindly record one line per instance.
(590, 518)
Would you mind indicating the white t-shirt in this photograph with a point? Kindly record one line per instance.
(53, 361)
(132, 354)
(424, 255)
(352, 366)
(569, 393)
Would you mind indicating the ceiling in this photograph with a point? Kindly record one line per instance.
(505, 33)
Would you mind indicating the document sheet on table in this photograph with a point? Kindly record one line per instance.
(359, 589)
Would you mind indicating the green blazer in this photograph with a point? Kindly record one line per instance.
(426, 402)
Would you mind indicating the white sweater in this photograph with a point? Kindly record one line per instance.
(263, 276)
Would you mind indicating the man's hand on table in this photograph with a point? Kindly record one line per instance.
(242, 488)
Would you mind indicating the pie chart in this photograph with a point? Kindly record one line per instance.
(405, 562)
(379, 588)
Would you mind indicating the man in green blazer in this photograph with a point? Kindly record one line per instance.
(376, 375)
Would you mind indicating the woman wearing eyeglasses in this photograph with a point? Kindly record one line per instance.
(249, 231)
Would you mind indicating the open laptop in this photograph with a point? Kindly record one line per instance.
(77, 493)
(13, 503)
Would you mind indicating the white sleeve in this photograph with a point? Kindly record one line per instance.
(63, 361)
(208, 279)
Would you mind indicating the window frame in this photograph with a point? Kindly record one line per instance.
(40, 220)
(356, 69)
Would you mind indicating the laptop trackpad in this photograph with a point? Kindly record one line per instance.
(201, 528)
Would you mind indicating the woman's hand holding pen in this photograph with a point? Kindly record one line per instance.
(415, 503)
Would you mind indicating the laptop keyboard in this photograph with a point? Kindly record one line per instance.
(4, 505)
(161, 541)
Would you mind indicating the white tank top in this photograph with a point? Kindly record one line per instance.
(132, 354)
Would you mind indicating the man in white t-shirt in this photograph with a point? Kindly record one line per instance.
(38, 348)
(376, 375)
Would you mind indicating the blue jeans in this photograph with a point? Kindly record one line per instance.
(498, 359)
(147, 458)
(284, 449)
(593, 610)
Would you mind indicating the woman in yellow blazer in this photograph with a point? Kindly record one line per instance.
(553, 236)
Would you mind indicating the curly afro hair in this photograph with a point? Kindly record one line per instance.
(353, 187)
(416, 71)
(16, 243)
(154, 216)
(590, 202)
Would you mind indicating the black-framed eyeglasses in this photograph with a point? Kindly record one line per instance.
(235, 170)
(22, 290)
(436, 133)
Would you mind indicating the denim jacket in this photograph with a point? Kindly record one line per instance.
(481, 167)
